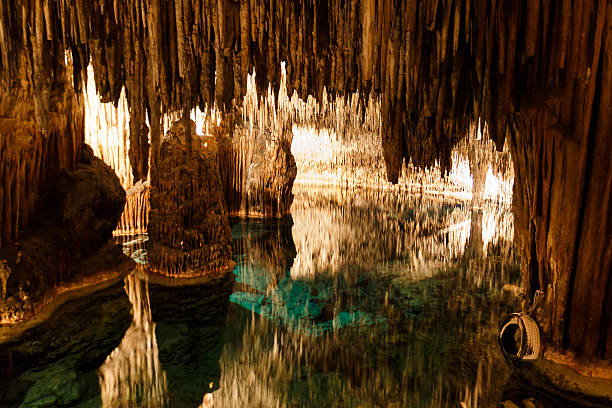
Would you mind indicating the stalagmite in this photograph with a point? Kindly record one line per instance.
(188, 224)
(135, 216)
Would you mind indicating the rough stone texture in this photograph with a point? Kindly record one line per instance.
(68, 241)
(537, 70)
(270, 177)
(32, 159)
(188, 223)
(92, 204)
(257, 171)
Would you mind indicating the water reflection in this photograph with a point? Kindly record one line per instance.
(390, 300)
(170, 354)
(351, 231)
(190, 322)
(353, 247)
(132, 372)
(55, 363)
(359, 299)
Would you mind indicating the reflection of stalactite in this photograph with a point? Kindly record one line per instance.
(334, 231)
(132, 374)
(475, 244)
(263, 364)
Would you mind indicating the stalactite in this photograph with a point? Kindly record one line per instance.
(128, 46)
(536, 71)
(29, 159)
(107, 130)
(135, 216)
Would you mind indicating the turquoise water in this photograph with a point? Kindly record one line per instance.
(358, 299)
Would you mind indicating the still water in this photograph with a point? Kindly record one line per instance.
(359, 299)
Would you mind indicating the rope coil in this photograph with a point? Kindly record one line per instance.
(519, 335)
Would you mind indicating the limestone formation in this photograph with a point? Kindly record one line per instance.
(30, 159)
(68, 242)
(257, 171)
(135, 216)
(188, 223)
(536, 72)
(92, 202)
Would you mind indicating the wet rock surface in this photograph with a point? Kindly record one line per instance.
(257, 170)
(69, 239)
(188, 223)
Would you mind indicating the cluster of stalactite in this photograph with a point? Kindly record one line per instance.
(436, 64)
(30, 158)
(133, 372)
(536, 72)
(107, 130)
(483, 158)
(256, 165)
(135, 216)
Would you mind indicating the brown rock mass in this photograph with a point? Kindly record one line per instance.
(188, 223)
(257, 171)
(69, 239)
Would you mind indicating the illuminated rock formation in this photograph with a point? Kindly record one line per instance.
(135, 216)
(68, 242)
(188, 224)
(257, 170)
(535, 72)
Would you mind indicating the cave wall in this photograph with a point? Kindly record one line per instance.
(33, 153)
(536, 72)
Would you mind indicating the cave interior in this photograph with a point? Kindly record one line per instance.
(181, 120)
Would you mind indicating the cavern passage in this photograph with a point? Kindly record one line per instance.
(339, 168)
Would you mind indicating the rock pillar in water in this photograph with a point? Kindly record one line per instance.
(189, 233)
(257, 171)
(270, 176)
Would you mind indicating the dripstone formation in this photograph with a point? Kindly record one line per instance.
(257, 171)
(69, 241)
(189, 230)
(537, 73)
